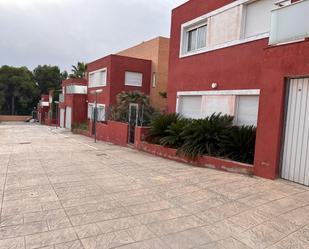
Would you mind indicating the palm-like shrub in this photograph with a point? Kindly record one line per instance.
(173, 137)
(160, 125)
(239, 144)
(79, 71)
(202, 136)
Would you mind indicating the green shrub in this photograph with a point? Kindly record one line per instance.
(80, 126)
(213, 136)
(160, 125)
(173, 137)
(202, 136)
(239, 144)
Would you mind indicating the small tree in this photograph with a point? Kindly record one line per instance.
(120, 112)
(18, 91)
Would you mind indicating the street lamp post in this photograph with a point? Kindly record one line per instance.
(95, 114)
(57, 106)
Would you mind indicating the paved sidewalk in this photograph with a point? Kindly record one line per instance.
(61, 191)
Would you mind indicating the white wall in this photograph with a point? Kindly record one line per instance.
(225, 26)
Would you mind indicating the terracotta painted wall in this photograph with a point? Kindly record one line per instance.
(112, 131)
(156, 50)
(79, 110)
(252, 65)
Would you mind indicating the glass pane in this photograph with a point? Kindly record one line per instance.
(192, 35)
(102, 77)
(201, 36)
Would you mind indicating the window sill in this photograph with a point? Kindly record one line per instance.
(225, 45)
(96, 86)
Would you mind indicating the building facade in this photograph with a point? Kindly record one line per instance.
(112, 75)
(73, 102)
(249, 59)
(156, 50)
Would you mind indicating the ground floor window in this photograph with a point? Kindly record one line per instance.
(101, 112)
(244, 107)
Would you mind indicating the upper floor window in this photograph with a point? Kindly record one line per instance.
(195, 37)
(235, 23)
(98, 78)
(133, 79)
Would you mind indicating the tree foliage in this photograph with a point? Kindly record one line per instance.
(18, 92)
(79, 71)
(48, 77)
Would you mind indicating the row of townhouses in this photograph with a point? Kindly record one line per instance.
(245, 58)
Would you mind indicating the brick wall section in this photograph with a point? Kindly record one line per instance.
(156, 50)
(8, 118)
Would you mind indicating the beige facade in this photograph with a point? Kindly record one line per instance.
(156, 50)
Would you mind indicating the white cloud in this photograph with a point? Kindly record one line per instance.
(62, 32)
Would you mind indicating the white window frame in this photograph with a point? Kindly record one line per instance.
(104, 83)
(185, 38)
(138, 84)
(203, 19)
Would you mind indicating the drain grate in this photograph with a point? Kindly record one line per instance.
(25, 143)
(101, 154)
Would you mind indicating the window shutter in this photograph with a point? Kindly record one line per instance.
(190, 106)
(133, 79)
(247, 110)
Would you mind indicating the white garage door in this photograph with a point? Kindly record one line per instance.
(62, 118)
(295, 158)
(68, 116)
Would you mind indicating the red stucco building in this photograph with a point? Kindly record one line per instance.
(249, 59)
(114, 74)
(73, 102)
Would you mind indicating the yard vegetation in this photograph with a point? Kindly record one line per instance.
(213, 136)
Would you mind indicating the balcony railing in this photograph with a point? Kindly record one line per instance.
(76, 89)
(290, 23)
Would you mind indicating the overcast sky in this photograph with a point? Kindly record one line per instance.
(63, 32)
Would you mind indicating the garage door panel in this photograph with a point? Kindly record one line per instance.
(68, 116)
(296, 148)
(287, 137)
(294, 165)
(302, 132)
